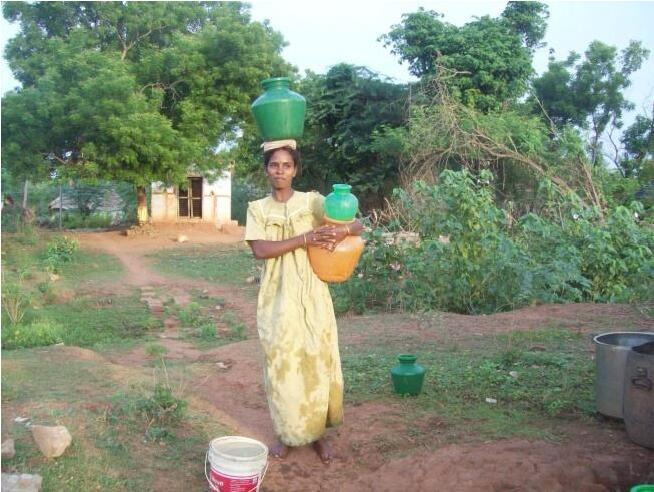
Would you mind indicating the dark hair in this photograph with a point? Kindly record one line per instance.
(295, 154)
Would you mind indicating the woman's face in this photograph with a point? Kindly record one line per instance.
(281, 169)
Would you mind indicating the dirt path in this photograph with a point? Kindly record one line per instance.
(234, 394)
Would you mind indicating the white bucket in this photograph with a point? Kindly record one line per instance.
(238, 464)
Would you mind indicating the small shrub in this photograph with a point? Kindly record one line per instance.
(162, 408)
(37, 334)
(236, 327)
(207, 331)
(190, 315)
(155, 350)
(238, 331)
(15, 301)
(60, 250)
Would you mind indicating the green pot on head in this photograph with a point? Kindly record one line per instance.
(279, 112)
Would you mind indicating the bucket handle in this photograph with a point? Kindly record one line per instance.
(259, 480)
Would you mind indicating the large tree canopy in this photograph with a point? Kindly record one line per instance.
(133, 91)
(490, 58)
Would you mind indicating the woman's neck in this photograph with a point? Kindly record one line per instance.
(282, 195)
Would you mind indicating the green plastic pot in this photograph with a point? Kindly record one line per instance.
(407, 376)
(340, 204)
(642, 488)
(279, 112)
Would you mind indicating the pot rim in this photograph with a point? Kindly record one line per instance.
(599, 342)
(272, 80)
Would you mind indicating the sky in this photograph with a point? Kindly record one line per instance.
(323, 33)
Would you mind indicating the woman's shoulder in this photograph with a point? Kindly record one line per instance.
(311, 196)
(257, 207)
(259, 202)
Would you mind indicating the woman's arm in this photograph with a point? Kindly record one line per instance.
(324, 237)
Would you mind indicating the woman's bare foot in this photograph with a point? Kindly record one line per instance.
(323, 450)
(279, 450)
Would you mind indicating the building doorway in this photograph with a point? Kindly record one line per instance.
(190, 199)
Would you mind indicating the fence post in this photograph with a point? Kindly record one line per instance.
(60, 205)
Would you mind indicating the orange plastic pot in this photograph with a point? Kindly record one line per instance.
(336, 266)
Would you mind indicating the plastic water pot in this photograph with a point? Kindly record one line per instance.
(407, 376)
(338, 265)
(611, 351)
(341, 205)
(279, 112)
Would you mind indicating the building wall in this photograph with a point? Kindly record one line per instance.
(216, 201)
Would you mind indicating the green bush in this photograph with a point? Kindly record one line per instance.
(191, 315)
(37, 334)
(470, 259)
(60, 250)
(162, 408)
(207, 331)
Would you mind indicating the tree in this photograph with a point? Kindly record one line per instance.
(638, 142)
(491, 57)
(131, 91)
(589, 93)
(353, 133)
(355, 122)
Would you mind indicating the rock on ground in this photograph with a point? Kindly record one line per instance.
(22, 482)
(52, 441)
(8, 450)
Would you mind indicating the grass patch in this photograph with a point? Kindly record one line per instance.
(92, 321)
(120, 440)
(230, 266)
(91, 266)
(205, 326)
(534, 376)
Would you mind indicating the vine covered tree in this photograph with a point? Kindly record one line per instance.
(130, 91)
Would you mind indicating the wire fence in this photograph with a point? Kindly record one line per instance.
(68, 205)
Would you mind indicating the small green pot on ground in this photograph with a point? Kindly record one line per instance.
(407, 376)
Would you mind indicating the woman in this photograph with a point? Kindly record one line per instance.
(295, 316)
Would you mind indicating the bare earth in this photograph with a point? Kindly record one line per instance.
(594, 459)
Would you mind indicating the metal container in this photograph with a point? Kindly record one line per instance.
(611, 351)
(638, 406)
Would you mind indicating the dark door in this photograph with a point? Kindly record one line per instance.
(190, 199)
(195, 186)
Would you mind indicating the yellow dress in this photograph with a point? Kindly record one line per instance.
(296, 324)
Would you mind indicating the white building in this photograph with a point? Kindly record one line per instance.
(200, 201)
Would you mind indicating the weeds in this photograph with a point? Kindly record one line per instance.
(156, 350)
(60, 250)
(37, 334)
(15, 300)
(191, 315)
(237, 328)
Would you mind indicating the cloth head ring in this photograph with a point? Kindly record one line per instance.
(278, 144)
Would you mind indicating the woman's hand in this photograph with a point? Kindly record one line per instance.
(324, 237)
(327, 236)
